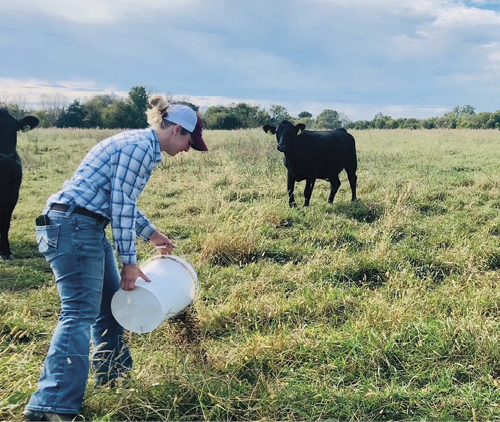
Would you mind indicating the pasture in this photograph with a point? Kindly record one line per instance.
(383, 309)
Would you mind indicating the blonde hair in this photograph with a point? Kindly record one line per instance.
(156, 114)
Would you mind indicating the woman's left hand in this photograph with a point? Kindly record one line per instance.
(162, 243)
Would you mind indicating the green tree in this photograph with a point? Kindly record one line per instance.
(250, 116)
(307, 121)
(53, 105)
(235, 116)
(459, 116)
(263, 117)
(44, 119)
(138, 98)
(328, 119)
(495, 120)
(213, 116)
(484, 120)
(305, 118)
(221, 117)
(380, 121)
(119, 115)
(94, 108)
(73, 116)
(278, 113)
(229, 122)
(412, 123)
(344, 120)
(363, 124)
(244, 113)
(429, 123)
(468, 109)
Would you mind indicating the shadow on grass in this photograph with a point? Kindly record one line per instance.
(276, 254)
(24, 250)
(493, 261)
(27, 270)
(24, 274)
(371, 275)
(432, 209)
(359, 211)
(434, 270)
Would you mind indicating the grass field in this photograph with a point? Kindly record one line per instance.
(384, 309)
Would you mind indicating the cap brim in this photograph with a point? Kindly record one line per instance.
(198, 143)
(196, 136)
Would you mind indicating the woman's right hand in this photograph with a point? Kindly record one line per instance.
(162, 243)
(130, 274)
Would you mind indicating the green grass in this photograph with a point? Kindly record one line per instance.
(383, 309)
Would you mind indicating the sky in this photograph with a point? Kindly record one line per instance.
(402, 58)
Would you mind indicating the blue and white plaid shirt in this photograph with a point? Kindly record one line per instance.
(108, 182)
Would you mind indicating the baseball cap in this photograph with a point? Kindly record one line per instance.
(185, 116)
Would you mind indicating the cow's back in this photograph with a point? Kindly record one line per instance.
(320, 154)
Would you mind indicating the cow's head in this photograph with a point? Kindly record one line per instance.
(9, 126)
(286, 134)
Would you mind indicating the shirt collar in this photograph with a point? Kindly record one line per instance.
(155, 142)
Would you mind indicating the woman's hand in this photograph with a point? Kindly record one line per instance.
(130, 274)
(162, 243)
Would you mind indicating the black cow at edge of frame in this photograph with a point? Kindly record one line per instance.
(311, 155)
(11, 172)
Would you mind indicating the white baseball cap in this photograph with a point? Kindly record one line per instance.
(185, 116)
(182, 115)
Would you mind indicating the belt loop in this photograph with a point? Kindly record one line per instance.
(70, 210)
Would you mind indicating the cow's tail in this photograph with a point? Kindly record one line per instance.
(352, 166)
(353, 157)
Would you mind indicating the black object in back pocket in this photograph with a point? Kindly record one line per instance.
(42, 220)
(47, 238)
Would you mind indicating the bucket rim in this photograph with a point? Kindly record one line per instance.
(187, 266)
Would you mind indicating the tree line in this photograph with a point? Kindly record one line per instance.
(108, 111)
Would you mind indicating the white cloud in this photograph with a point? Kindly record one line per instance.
(389, 6)
(97, 11)
(462, 17)
(90, 11)
(30, 91)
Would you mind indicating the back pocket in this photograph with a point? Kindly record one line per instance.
(47, 238)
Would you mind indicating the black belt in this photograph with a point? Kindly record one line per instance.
(81, 211)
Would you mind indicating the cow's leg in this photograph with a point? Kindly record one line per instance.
(5, 216)
(291, 189)
(334, 187)
(13, 182)
(308, 191)
(351, 174)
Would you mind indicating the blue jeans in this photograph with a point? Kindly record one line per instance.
(87, 276)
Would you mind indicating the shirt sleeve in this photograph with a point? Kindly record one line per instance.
(130, 173)
(143, 226)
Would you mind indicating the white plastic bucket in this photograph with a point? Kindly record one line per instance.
(174, 287)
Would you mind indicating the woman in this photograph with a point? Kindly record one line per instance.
(71, 236)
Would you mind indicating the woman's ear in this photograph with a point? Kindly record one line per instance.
(177, 129)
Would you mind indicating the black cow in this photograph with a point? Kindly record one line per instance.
(11, 172)
(311, 155)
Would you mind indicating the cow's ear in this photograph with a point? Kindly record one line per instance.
(270, 130)
(300, 128)
(30, 121)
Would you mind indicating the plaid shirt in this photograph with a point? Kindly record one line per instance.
(108, 182)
